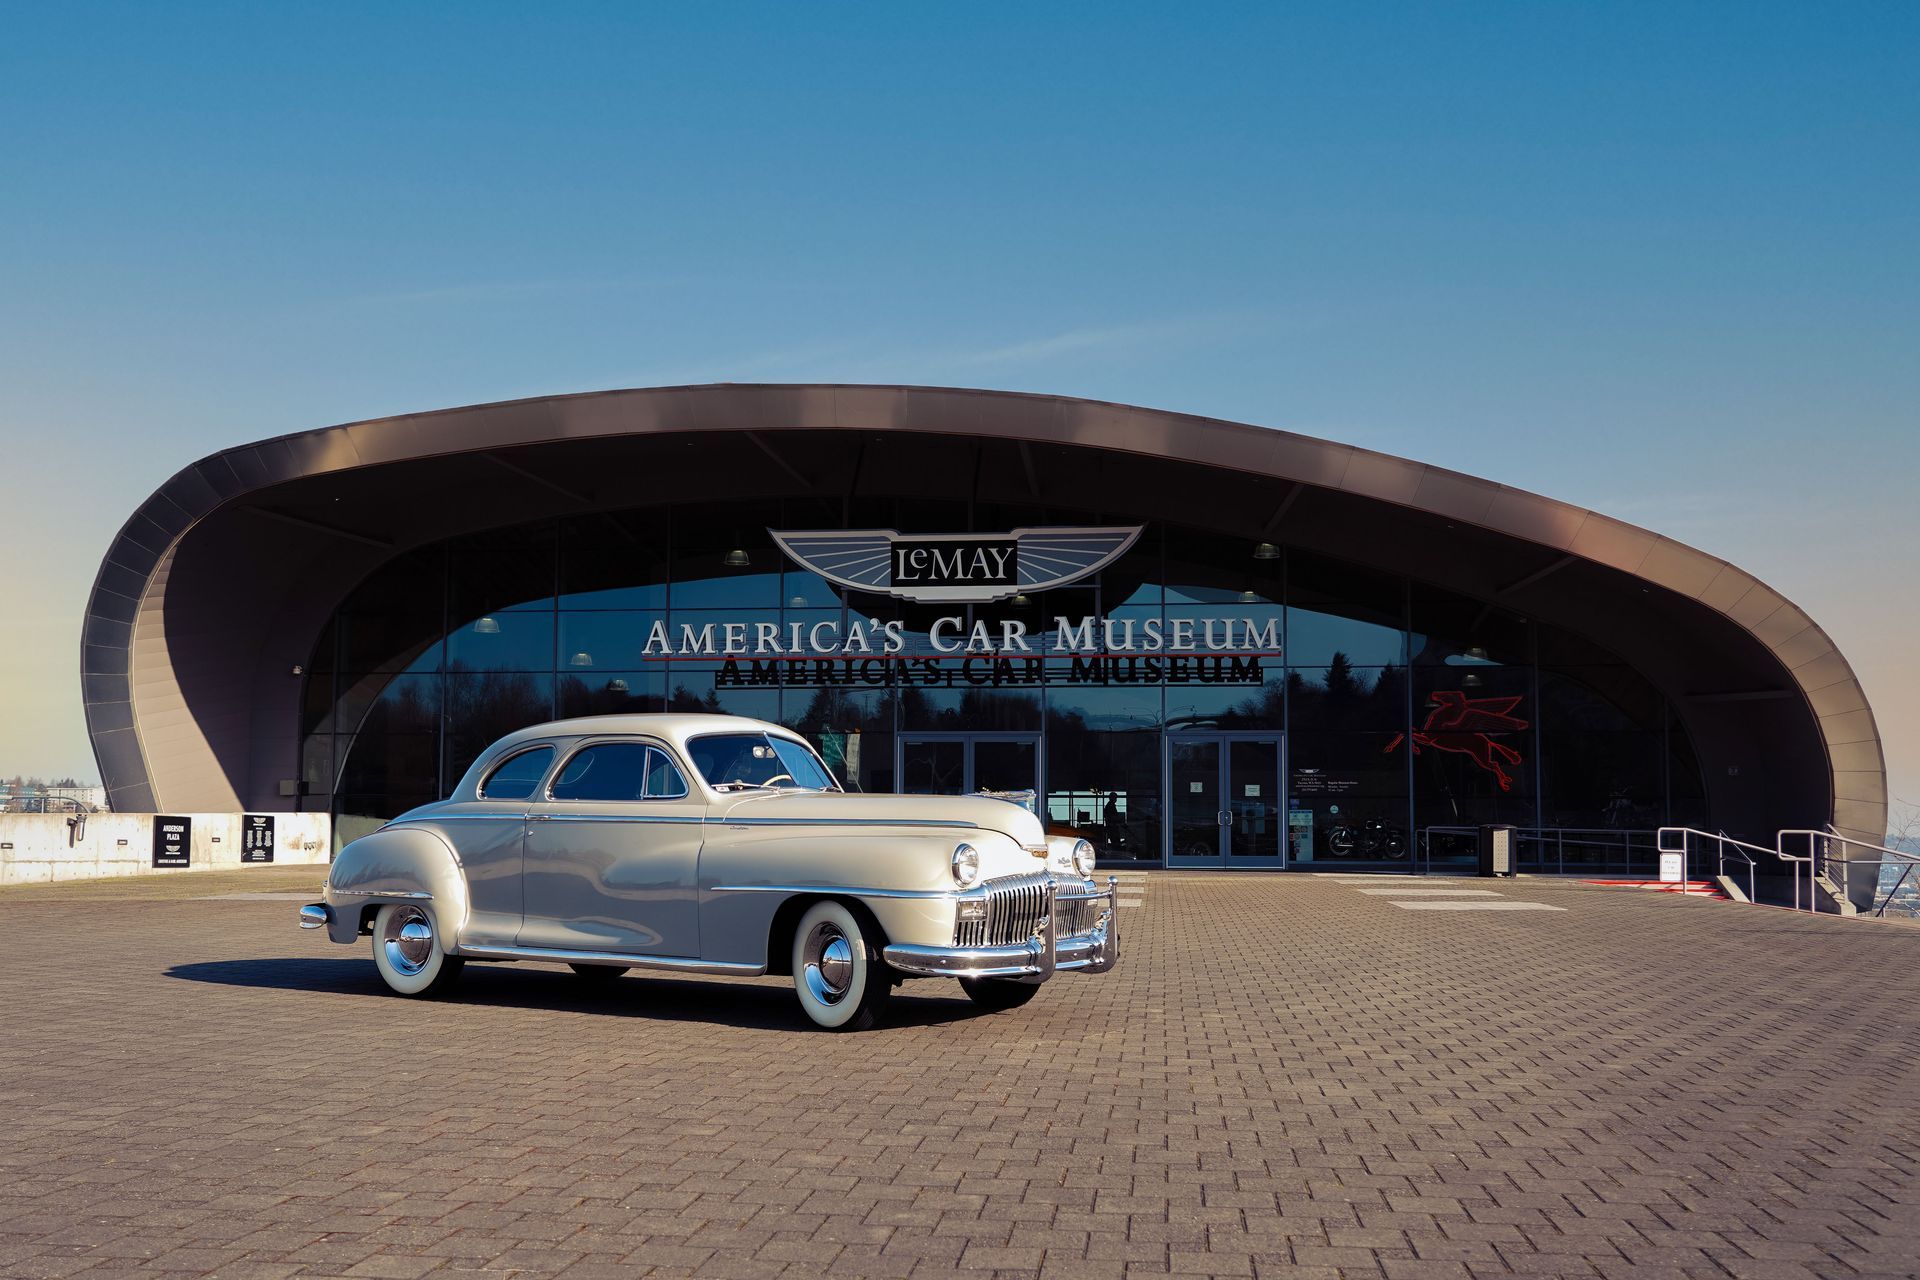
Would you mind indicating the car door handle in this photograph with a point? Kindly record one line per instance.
(539, 817)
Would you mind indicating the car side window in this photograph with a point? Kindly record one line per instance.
(619, 771)
(664, 780)
(517, 776)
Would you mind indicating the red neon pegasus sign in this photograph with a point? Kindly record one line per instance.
(1462, 724)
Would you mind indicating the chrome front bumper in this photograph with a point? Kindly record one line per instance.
(1040, 956)
(315, 915)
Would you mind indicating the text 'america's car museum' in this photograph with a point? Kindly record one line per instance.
(1202, 644)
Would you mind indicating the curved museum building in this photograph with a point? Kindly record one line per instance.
(1201, 643)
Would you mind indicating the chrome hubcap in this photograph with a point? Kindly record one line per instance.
(827, 963)
(408, 942)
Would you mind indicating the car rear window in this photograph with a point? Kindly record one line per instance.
(517, 775)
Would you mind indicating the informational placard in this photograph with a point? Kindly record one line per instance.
(172, 841)
(256, 837)
(1300, 834)
(1672, 868)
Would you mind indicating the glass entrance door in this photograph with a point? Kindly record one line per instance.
(953, 764)
(1225, 806)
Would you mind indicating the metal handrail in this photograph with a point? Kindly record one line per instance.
(1722, 842)
(1561, 838)
(1820, 846)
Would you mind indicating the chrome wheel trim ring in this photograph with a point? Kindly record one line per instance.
(827, 963)
(408, 943)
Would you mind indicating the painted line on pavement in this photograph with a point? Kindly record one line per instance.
(1501, 905)
(1430, 893)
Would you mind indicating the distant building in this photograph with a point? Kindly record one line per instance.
(43, 799)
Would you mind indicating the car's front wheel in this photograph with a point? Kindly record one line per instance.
(408, 954)
(842, 982)
(999, 993)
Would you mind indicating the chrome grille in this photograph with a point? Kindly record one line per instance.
(1074, 916)
(1014, 908)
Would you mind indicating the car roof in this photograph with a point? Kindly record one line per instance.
(673, 726)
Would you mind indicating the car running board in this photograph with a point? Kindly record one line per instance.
(676, 964)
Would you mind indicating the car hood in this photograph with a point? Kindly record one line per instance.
(837, 806)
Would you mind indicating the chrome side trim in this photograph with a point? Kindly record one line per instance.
(849, 891)
(620, 817)
(955, 824)
(377, 893)
(676, 964)
(845, 822)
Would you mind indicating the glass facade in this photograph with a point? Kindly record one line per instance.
(1392, 719)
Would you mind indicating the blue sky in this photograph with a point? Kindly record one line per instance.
(1656, 259)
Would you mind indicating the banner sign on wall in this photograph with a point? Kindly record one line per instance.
(172, 841)
(995, 671)
(256, 837)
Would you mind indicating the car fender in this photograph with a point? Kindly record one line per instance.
(902, 876)
(398, 864)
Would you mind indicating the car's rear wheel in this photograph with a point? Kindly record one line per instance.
(999, 993)
(408, 954)
(598, 974)
(842, 982)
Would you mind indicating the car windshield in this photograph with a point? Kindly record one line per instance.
(742, 761)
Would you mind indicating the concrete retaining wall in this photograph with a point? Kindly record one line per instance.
(39, 847)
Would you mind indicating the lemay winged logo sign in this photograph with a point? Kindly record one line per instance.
(961, 568)
(952, 651)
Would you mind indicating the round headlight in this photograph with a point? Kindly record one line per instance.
(1083, 857)
(966, 865)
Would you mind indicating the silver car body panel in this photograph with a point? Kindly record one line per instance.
(695, 883)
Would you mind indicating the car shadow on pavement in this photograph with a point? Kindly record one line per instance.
(736, 1004)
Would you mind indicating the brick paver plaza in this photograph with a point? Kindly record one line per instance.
(1285, 1076)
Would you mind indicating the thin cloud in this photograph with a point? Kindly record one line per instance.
(488, 291)
(1108, 338)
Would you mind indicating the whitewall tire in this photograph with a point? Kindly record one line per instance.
(838, 974)
(408, 954)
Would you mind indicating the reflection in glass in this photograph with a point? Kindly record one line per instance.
(952, 710)
(933, 767)
(605, 693)
(614, 561)
(694, 689)
(1253, 799)
(1349, 796)
(483, 707)
(612, 639)
(1006, 765)
(1343, 696)
(515, 642)
(1365, 701)
(1196, 807)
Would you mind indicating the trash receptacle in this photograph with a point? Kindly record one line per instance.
(1496, 850)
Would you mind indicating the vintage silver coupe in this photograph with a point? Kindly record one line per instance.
(712, 844)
